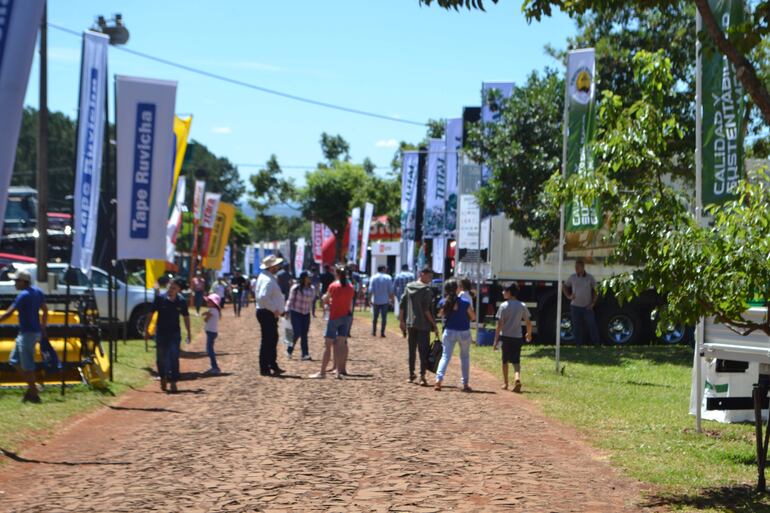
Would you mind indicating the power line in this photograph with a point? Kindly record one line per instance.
(295, 166)
(255, 87)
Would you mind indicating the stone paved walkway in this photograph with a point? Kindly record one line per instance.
(243, 443)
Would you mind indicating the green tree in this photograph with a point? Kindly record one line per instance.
(523, 150)
(269, 188)
(220, 174)
(334, 147)
(61, 156)
(329, 193)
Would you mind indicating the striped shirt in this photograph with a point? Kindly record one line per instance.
(399, 284)
(300, 301)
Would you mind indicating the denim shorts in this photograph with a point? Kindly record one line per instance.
(339, 327)
(23, 353)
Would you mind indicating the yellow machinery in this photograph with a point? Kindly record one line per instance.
(74, 335)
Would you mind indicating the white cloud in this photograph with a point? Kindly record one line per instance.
(221, 130)
(386, 143)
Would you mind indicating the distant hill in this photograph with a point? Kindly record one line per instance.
(278, 210)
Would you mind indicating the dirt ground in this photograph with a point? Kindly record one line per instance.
(371, 442)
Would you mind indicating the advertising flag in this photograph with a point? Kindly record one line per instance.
(210, 208)
(318, 241)
(145, 133)
(220, 233)
(200, 189)
(491, 108)
(224, 268)
(355, 219)
(368, 212)
(454, 145)
(435, 190)
(723, 106)
(90, 143)
(19, 22)
(181, 133)
(581, 119)
(299, 256)
(439, 253)
(409, 174)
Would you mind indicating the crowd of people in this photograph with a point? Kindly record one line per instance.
(278, 297)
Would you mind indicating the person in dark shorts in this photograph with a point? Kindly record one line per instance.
(170, 305)
(510, 316)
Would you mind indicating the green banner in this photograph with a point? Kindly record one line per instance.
(581, 119)
(723, 106)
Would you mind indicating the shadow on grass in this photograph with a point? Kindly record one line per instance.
(737, 499)
(615, 355)
(15, 457)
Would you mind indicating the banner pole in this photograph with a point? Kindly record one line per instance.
(699, 332)
(559, 285)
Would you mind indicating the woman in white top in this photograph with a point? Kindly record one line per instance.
(211, 317)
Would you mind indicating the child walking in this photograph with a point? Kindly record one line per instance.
(510, 316)
(211, 317)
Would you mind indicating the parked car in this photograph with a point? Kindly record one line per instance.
(139, 298)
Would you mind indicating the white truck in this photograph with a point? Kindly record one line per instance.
(627, 324)
(134, 311)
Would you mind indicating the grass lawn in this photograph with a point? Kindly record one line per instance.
(633, 402)
(22, 423)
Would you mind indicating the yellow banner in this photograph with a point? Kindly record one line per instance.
(220, 234)
(154, 269)
(181, 134)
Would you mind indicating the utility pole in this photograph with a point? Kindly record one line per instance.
(41, 244)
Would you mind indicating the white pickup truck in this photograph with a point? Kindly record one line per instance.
(139, 298)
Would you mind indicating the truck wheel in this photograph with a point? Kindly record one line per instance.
(138, 321)
(621, 326)
(677, 334)
(546, 327)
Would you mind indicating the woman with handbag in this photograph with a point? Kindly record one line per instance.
(458, 314)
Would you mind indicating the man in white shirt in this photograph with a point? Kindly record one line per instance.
(270, 306)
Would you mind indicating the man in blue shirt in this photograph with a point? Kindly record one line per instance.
(402, 278)
(29, 303)
(168, 335)
(381, 292)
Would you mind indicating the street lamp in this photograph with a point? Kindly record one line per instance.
(114, 28)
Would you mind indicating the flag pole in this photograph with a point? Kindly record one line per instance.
(699, 332)
(559, 285)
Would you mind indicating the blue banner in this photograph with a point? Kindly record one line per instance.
(90, 144)
(491, 108)
(454, 145)
(19, 23)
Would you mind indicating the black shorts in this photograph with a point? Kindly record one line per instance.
(512, 349)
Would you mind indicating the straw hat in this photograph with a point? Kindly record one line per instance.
(270, 261)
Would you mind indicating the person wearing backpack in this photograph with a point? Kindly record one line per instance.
(510, 316)
(458, 314)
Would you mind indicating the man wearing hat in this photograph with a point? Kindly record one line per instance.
(270, 306)
(416, 318)
(29, 303)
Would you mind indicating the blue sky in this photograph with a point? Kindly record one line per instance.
(394, 58)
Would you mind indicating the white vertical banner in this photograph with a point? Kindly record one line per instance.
(299, 256)
(435, 190)
(318, 241)
(225, 268)
(410, 254)
(409, 164)
(209, 214)
(355, 220)
(368, 212)
(439, 252)
(175, 220)
(19, 23)
(90, 144)
(454, 144)
(200, 189)
(145, 128)
(247, 258)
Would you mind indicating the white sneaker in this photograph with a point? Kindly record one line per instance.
(317, 375)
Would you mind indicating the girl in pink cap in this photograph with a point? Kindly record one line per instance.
(211, 317)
